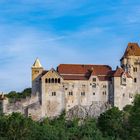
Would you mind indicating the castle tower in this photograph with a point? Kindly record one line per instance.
(130, 62)
(37, 70)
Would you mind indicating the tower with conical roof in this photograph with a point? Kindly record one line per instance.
(37, 70)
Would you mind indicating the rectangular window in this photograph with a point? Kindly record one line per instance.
(71, 93)
(82, 93)
(135, 69)
(94, 79)
(104, 92)
(124, 79)
(104, 86)
(94, 85)
(135, 80)
(53, 93)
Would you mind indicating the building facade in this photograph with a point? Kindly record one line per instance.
(87, 86)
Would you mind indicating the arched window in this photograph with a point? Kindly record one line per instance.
(49, 80)
(46, 80)
(52, 80)
(55, 80)
(58, 80)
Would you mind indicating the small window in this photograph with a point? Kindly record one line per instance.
(94, 85)
(104, 92)
(135, 69)
(104, 86)
(52, 80)
(70, 93)
(53, 93)
(93, 93)
(46, 80)
(55, 80)
(94, 79)
(123, 94)
(58, 80)
(82, 93)
(36, 71)
(124, 79)
(135, 80)
(83, 86)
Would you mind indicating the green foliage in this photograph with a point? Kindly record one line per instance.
(134, 119)
(110, 122)
(15, 127)
(14, 96)
(111, 125)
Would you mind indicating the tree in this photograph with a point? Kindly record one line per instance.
(16, 127)
(110, 122)
(14, 96)
(134, 119)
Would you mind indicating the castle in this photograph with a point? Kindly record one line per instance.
(81, 85)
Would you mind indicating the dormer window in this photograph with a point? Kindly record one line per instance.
(94, 85)
(94, 79)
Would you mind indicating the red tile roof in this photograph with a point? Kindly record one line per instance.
(119, 72)
(83, 72)
(104, 78)
(83, 69)
(74, 77)
(132, 49)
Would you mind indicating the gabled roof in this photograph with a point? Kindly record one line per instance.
(132, 49)
(119, 72)
(46, 72)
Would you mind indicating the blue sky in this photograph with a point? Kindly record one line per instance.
(62, 31)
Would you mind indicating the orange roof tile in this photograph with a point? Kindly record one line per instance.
(119, 72)
(74, 77)
(83, 69)
(83, 72)
(132, 49)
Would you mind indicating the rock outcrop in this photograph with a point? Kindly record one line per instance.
(82, 112)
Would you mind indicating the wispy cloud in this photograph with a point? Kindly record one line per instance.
(69, 31)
